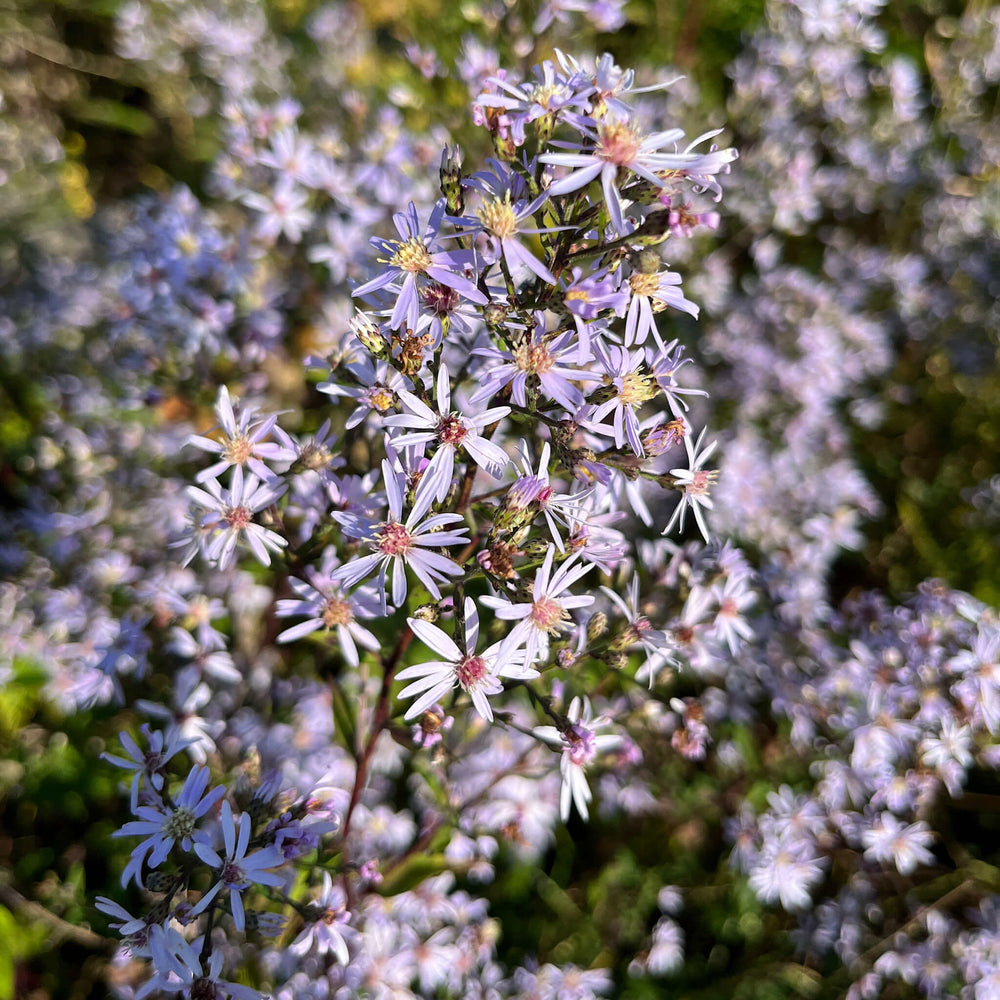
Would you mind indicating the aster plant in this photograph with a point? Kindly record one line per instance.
(480, 339)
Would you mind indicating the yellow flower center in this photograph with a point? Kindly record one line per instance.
(238, 449)
(411, 256)
(498, 218)
(644, 284)
(381, 398)
(337, 612)
(636, 388)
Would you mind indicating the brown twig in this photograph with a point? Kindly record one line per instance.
(62, 930)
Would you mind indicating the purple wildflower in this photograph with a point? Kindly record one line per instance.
(411, 257)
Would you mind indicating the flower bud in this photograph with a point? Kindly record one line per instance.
(505, 147)
(597, 626)
(370, 337)
(495, 315)
(451, 179)
(544, 127)
(663, 437)
(647, 261)
(616, 659)
(536, 547)
(160, 881)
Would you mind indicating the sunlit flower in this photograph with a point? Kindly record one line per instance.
(402, 544)
(616, 146)
(243, 442)
(230, 517)
(581, 744)
(694, 483)
(476, 673)
(450, 431)
(411, 257)
(547, 613)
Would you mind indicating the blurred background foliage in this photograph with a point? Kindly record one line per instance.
(122, 130)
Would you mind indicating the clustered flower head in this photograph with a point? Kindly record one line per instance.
(517, 311)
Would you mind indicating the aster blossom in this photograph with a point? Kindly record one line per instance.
(638, 631)
(411, 257)
(166, 825)
(501, 216)
(148, 765)
(905, 845)
(230, 517)
(610, 83)
(324, 932)
(694, 483)
(581, 744)
(449, 430)
(549, 358)
(178, 968)
(330, 608)
(476, 673)
(786, 871)
(630, 385)
(551, 94)
(243, 440)
(662, 288)
(376, 389)
(533, 493)
(402, 544)
(547, 612)
(238, 871)
(616, 146)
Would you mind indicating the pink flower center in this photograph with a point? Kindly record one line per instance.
(440, 299)
(470, 671)
(394, 539)
(451, 430)
(534, 358)
(547, 614)
(232, 875)
(618, 143)
(237, 517)
(701, 482)
(580, 744)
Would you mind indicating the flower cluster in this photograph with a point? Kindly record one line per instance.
(518, 311)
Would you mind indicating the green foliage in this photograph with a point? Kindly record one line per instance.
(19, 940)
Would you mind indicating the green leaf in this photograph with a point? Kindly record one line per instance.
(113, 114)
(412, 872)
